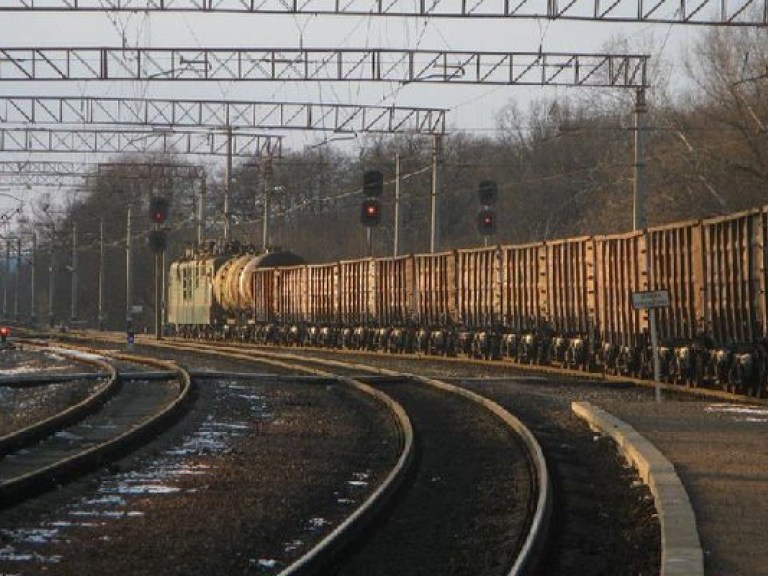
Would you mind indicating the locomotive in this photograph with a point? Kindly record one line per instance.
(210, 292)
(565, 302)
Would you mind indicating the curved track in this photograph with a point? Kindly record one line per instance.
(472, 487)
(104, 426)
(32, 433)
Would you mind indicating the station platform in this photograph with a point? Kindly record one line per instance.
(719, 450)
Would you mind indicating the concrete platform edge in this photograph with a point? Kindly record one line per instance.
(681, 553)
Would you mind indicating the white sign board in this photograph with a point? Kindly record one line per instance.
(650, 299)
(137, 309)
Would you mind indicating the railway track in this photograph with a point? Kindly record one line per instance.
(602, 515)
(105, 425)
(469, 494)
(601, 511)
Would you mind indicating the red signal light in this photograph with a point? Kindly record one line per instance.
(4, 333)
(158, 209)
(370, 215)
(486, 222)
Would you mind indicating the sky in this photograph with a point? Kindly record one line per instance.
(470, 108)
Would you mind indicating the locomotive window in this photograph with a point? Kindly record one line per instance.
(186, 284)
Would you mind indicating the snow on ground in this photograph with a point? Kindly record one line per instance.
(77, 354)
(741, 412)
(117, 493)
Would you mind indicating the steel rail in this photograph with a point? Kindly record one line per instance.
(35, 432)
(327, 548)
(535, 540)
(14, 489)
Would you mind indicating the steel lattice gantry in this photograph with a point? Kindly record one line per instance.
(715, 12)
(52, 173)
(240, 144)
(41, 180)
(340, 118)
(270, 64)
(137, 170)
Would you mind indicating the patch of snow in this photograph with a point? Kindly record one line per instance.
(33, 535)
(147, 489)
(9, 554)
(105, 501)
(22, 369)
(317, 523)
(66, 435)
(67, 353)
(742, 413)
(293, 546)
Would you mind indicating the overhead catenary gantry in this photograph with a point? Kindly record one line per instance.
(509, 68)
(49, 173)
(140, 169)
(339, 118)
(106, 141)
(720, 12)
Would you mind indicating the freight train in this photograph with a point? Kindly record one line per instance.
(566, 302)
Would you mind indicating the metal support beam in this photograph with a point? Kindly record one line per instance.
(267, 177)
(213, 143)
(131, 170)
(32, 279)
(434, 224)
(641, 110)
(318, 65)
(240, 115)
(734, 12)
(73, 315)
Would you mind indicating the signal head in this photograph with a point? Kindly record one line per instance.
(486, 222)
(373, 183)
(370, 213)
(158, 209)
(157, 241)
(488, 192)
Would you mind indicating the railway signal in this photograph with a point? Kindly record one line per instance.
(158, 209)
(157, 241)
(373, 183)
(486, 222)
(488, 192)
(4, 333)
(370, 213)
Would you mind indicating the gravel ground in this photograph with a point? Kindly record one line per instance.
(251, 505)
(605, 522)
(254, 475)
(467, 505)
